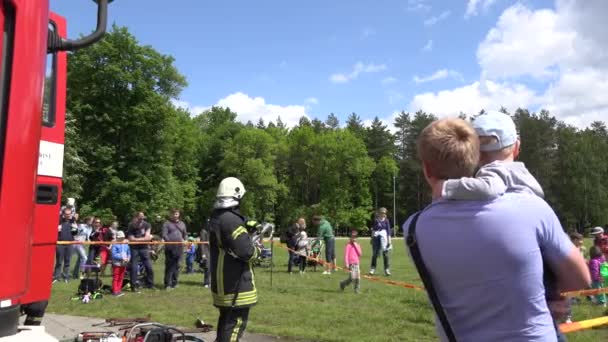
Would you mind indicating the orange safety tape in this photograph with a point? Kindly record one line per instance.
(589, 292)
(130, 242)
(582, 325)
(368, 277)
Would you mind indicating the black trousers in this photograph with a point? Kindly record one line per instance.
(172, 259)
(63, 255)
(376, 250)
(144, 256)
(292, 255)
(231, 324)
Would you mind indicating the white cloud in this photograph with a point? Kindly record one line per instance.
(388, 80)
(253, 108)
(418, 6)
(473, 5)
(435, 19)
(312, 100)
(358, 69)
(510, 50)
(428, 46)
(389, 121)
(438, 75)
(474, 97)
(194, 110)
(564, 48)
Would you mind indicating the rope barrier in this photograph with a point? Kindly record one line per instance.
(368, 277)
(589, 292)
(582, 325)
(130, 243)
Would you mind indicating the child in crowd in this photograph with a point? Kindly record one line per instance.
(121, 254)
(497, 134)
(498, 139)
(577, 241)
(596, 258)
(302, 247)
(190, 254)
(352, 254)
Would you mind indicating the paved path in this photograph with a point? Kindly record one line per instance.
(66, 328)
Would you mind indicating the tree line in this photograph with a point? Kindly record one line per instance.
(128, 148)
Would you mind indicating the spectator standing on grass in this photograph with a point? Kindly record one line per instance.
(508, 303)
(577, 241)
(381, 241)
(352, 254)
(101, 251)
(301, 245)
(82, 235)
(139, 231)
(600, 239)
(121, 254)
(290, 240)
(174, 230)
(203, 255)
(596, 258)
(63, 253)
(190, 254)
(326, 233)
(498, 135)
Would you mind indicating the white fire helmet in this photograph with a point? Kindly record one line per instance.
(231, 187)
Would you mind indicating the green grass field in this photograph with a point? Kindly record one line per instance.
(309, 307)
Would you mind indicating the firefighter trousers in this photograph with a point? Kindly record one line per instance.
(231, 324)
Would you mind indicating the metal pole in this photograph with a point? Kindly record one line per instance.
(394, 206)
(271, 257)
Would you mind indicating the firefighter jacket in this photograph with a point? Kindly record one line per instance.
(231, 254)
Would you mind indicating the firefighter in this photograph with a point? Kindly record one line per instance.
(232, 252)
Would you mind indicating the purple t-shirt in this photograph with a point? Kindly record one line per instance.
(485, 262)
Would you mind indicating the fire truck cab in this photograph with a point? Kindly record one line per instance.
(33, 74)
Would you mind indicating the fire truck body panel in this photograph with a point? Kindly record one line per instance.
(22, 67)
(49, 179)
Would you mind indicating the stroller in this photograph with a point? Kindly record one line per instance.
(315, 246)
(265, 258)
(90, 288)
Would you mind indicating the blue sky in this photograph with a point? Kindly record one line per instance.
(317, 57)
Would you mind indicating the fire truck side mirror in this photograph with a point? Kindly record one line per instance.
(56, 43)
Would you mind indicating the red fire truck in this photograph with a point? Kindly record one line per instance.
(32, 120)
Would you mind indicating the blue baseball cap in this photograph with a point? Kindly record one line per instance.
(498, 125)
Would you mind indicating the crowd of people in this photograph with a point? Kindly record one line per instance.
(135, 258)
(486, 207)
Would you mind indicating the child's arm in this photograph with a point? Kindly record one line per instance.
(115, 252)
(487, 184)
(346, 255)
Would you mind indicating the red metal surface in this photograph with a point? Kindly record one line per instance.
(46, 215)
(21, 145)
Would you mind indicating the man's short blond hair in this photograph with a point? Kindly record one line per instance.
(449, 148)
